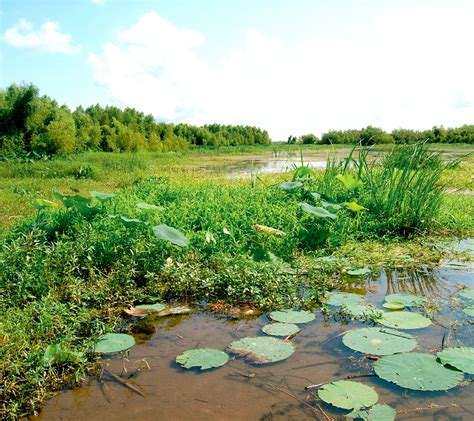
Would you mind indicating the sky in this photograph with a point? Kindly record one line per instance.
(291, 67)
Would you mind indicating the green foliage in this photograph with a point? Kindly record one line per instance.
(461, 358)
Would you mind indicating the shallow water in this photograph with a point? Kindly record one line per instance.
(241, 391)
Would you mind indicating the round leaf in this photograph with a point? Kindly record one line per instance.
(344, 298)
(280, 329)
(406, 299)
(376, 413)
(379, 341)
(469, 310)
(461, 358)
(113, 342)
(263, 349)
(164, 232)
(394, 306)
(151, 307)
(292, 316)
(204, 358)
(468, 293)
(347, 394)
(317, 211)
(404, 320)
(361, 311)
(358, 272)
(417, 372)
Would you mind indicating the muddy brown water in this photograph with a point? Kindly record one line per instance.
(242, 391)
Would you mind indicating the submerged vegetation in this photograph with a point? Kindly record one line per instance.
(68, 270)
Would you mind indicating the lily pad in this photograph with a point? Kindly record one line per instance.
(263, 350)
(417, 371)
(361, 311)
(330, 205)
(376, 413)
(290, 185)
(379, 341)
(359, 272)
(317, 211)
(292, 316)
(347, 394)
(461, 358)
(408, 300)
(469, 310)
(404, 320)
(205, 358)
(113, 342)
(467, 293)
(344, 298)
(280, 329)
(152, 308)
(166, 233)
(394, 306)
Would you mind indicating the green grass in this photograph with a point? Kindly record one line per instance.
(64, 278)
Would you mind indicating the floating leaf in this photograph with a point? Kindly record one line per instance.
(354, 206)
(461, 358)
(359, 272)
(394, 306)
(363, 311)
(404, 320)
(143, 205)
(417, 371)
(60, 354)
(292, 316)
(378, 341)
(152, 308)
(164, 232)
(347, 394)
(102, 196)
(334, 206)
(130, 222)
(469, 310)
(262, 349)
(467, 293)
(376, 413)
(350, 183)
(318, 211)
(408, 300)
(344, 298)
(290, 185)
(41, 204)
(268, 230)
(205, 358)
(114, 342)
(280, 329)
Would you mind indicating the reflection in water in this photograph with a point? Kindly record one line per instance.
(241, 391)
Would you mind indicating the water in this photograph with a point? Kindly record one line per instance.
(240, 391)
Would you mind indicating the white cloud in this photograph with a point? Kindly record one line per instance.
(47, 38)
(408, 69)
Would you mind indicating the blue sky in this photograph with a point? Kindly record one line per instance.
(291, 67)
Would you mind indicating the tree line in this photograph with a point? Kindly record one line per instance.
(375, 135)
(30, 123)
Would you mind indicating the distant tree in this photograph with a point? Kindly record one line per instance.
(309, 139)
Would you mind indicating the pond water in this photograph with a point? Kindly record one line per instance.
(242, 391)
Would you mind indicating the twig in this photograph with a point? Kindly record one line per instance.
(355, 376)
(432, 406)
(125, 383)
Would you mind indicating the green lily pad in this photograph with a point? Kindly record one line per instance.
(292, 316)
(417, 371)
(152, 307)
(461, 358)
(330, 205)
(467, 293)
(376, 413)
(317, 211)
(290, 185)
(280, 329)
(408, 300)
(262, 350)
(166, 233)
(379, 341)
(469, 310)
(404, 320)
(205, 358)
(394, 306)
(359, 272)
(347, 394)
(113, 342)
(344, 298)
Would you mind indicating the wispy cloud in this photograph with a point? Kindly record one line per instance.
(47, 37)
(399, 70)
